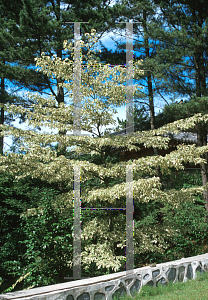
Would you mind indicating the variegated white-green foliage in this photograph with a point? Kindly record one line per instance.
(41, 162)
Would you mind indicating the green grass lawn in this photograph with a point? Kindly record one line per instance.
(191, 290)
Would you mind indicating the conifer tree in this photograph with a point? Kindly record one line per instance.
(186, 35)
(179, 59)
(15, 53)
(145, 42)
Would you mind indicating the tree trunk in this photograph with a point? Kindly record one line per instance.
(150, 89)
(2, 114)
(60, 89)
(200, 92)
(202, 141)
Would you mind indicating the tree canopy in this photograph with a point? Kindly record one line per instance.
(43, 163)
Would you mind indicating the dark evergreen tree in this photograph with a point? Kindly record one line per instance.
(145, 41)
(186, 37)
(16, 54)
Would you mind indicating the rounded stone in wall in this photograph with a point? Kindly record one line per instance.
(99, 296)
(146, 276)
(155, 273)
(121, 292)
(189, 272)
(70, 297)
(109, 288)
(199, 269)
(171, 274)
(150, 283)
(128, 281)
(162, 281)
(84, 296)
(181, 273)
(135, 287)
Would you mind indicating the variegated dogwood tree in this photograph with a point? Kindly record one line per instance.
(40, 161)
